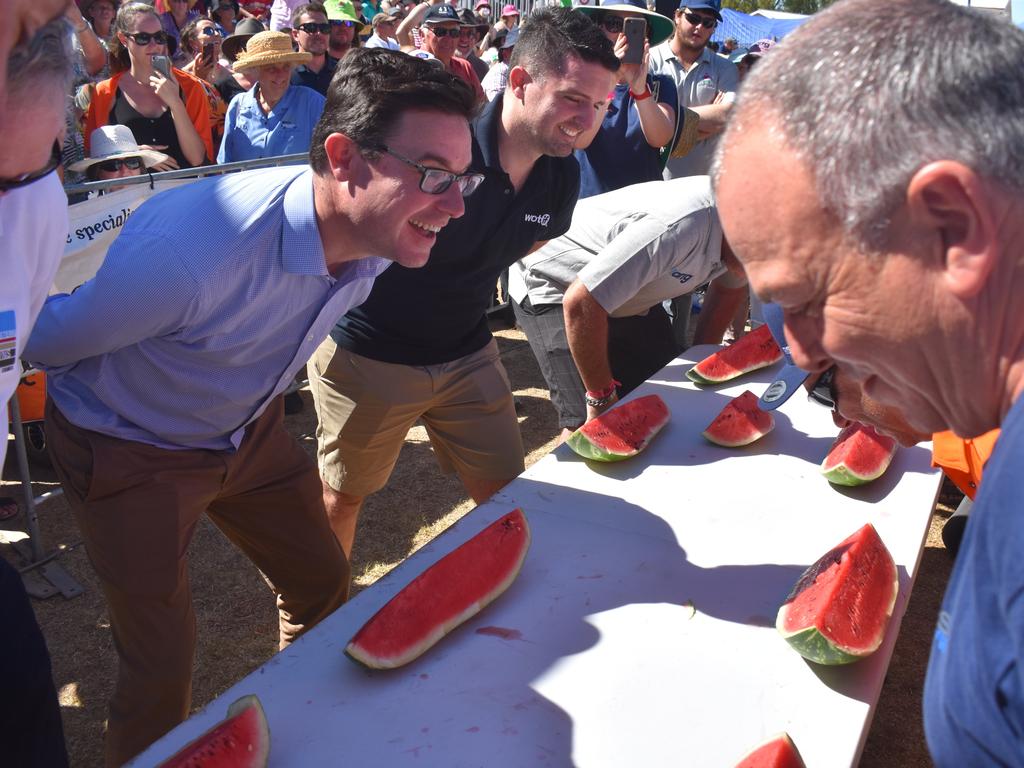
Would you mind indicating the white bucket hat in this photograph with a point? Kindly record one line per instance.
(114, 142)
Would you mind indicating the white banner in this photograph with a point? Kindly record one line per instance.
(94, 225)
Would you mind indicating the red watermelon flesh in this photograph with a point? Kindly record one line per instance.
(740, 423)
(622, 432)
(449, 592)
(752, 351)
(840, 607)
(242, 740)
(778, 752)
(858, 456)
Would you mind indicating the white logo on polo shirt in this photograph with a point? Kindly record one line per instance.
(538, 218)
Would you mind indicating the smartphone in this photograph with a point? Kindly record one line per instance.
(162, 64)
(635, 31)
(206, 59)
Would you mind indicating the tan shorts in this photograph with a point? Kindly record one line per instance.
(365, 409)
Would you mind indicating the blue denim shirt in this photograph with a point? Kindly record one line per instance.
(212, 298)
(249, 134)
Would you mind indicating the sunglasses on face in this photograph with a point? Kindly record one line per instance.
(210, 32)
(145, 38)
(340, 23)
(115, 165)
(613, 24)
(453, 32)
(312, 28)
(436, 181)
(695, 19)
(28, 178)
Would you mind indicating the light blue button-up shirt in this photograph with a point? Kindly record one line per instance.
(212, 298)
(288, 129)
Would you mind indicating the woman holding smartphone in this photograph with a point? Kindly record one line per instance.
(166, 109)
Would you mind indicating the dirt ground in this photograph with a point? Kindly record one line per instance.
(238, 623)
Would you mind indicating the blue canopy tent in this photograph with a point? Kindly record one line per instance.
(747, 29)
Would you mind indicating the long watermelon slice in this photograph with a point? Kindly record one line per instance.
(858, 456)
(622, 432)
(839, 609)
(242, 740)
(740, 423)
(778, 752)
(449, 592)
(755, 350)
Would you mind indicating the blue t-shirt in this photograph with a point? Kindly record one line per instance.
(974, 690)
(619, 155)
(288, 129)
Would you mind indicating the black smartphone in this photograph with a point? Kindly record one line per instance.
(162, 64)
(635, 31)
(206, 58)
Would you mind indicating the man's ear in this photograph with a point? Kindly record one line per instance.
(952, 202)
(518, 79)
(342, 156)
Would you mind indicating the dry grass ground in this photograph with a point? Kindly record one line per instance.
(238, 623)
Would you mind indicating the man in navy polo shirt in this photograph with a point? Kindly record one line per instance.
(311, 31)
(419, 347)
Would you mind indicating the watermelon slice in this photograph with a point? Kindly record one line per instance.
(622, 432)
(778, 752)
(858, 456)
(838, 611)
(242, 740)
(755, 350)
(449, 592)
(740, 423)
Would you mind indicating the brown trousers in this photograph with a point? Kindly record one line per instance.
(137, 507)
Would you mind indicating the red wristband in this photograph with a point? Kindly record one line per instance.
(641, 96)
(606, 392)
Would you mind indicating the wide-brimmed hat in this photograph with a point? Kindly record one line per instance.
(662, 27)
(267, 48)
(115, 142)
(234, 44)
(509, 10)
(342, 10)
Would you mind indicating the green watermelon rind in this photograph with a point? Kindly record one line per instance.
(366, 658)
(582, 445)
(815, 646)
(841, 474)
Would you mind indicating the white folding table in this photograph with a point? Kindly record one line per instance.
(640, 631)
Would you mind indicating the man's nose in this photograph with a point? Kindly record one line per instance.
(803, 334)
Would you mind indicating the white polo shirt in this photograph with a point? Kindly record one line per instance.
(33, 231)
(697, 87)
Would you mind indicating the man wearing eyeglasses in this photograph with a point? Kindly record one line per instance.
(420, 347)
(440, 27)
(706, 82)
(310, 31)
(172, 360)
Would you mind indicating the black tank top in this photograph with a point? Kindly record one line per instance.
(148, 130)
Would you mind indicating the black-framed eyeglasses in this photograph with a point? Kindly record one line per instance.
(436, 181)
(341, 23)
(115, 165)
(311, 27)
(211, 32)
(708, 22)
(446, 32)
(824, 390)
(6, 185)
(145, 38)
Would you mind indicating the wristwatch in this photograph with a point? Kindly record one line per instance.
(823, 392)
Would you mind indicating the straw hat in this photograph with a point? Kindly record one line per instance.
(269, 48)
(114, 142)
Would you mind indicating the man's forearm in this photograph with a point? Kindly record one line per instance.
(720, 304)
(713, 118)
(586, 328)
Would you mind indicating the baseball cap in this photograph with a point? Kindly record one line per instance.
(791, 377)
(715, 6)
(441, 13)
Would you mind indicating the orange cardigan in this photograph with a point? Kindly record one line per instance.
(963, 459)
(196, 104)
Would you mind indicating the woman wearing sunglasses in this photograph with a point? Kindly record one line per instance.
(114, 154)
(174, 20)
(171, 114)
